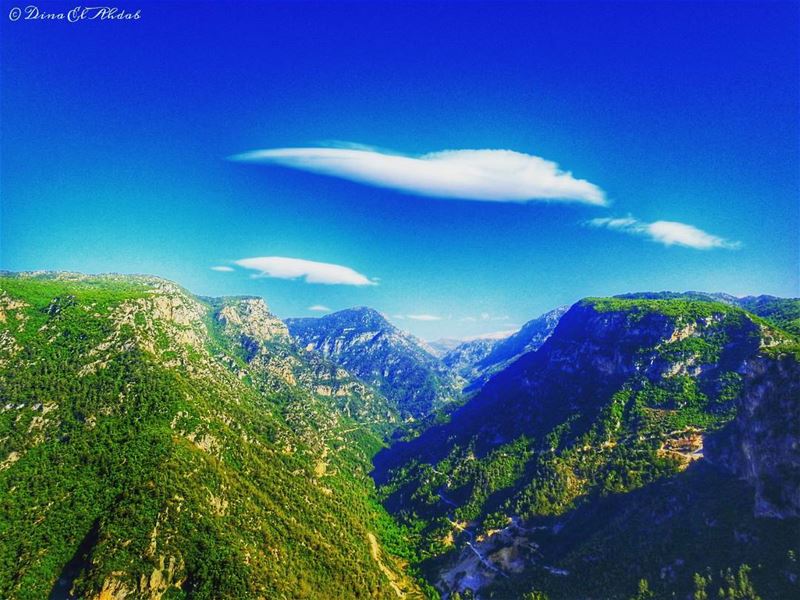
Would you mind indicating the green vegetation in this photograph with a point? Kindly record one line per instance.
(613, 465)
(732, 586)
(135, 456)
(781, 312)
(150, 446)
(704, 351)
(681, 310)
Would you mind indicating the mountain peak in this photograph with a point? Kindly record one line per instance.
(361, 315)
(365, 343)
(361, 318)
(250, 315)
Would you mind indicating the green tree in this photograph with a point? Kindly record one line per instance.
(738, 586)
(644, 592)
(700, 585)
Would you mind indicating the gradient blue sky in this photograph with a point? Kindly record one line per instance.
(115, 137)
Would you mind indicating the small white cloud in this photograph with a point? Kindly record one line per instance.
(399, 317)
(310, 271)
(222, 269)
(669, 233)
(424, 317)
(484, 175)
(468, 319)
(319, 308)
(485, 316)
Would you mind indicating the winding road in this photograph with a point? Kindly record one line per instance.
(483, 560)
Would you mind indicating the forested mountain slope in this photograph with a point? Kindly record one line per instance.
(615, 454)
(366, 344)
(155, 445)
(782, 312)
(477, 360)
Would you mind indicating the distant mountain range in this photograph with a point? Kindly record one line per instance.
(155, 444)
(362, 341)
(477, 360)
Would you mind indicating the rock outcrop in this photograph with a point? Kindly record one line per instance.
(762, 444)
(362, 341)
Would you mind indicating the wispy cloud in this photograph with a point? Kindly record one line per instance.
(424, 317)
(487, 175)
(222, 269)
(669, 233)
(310, 271)
(319, 308)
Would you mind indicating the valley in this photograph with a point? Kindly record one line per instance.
(156, 444)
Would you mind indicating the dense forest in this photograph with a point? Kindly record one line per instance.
(142, 456)
(611, 459)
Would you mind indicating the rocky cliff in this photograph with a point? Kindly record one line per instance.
(762, 444)
(362, 341)
(157, 445)
(604, 426)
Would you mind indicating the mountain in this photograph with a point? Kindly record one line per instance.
(477, 360)
(782, 312)
(267, 348)
(398, 365)
(650, 444)
(464, 358)
(155, 445)
(442, 346)
(158, 445)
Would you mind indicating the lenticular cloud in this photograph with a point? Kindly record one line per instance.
(310, 271)
(484, 175)
(669, 233)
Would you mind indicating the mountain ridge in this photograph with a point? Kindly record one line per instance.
(146, 452)
(367, 344)
(158, 444)
(619, 399)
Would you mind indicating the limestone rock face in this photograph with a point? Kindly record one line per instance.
(157, 444)
(762, 445)
(362, 341)
(252, 318)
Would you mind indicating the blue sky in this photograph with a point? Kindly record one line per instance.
(673, 125)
